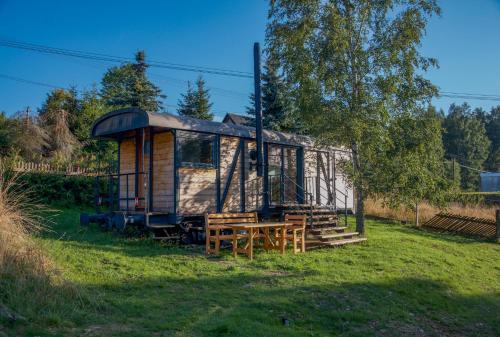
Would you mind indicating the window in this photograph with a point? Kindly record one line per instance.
(196, 149)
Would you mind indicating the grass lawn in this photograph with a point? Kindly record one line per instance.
(401, 282)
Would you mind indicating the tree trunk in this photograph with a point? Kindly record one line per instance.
(360, 212)
(358, 184)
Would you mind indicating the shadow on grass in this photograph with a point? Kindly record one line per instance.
(249, 305)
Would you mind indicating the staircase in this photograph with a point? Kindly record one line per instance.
(323, 227)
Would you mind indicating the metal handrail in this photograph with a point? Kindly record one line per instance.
(112, 192)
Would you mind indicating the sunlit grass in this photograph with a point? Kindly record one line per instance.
(402, 281)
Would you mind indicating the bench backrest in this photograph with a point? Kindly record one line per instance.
(296, 220)
(213, 219)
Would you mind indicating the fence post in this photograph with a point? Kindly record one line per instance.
(497, 233)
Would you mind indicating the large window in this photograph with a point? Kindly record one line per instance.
(196, 149)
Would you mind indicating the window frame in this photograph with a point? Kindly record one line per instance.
(212, 138)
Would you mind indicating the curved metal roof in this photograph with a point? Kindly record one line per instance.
(115, 122)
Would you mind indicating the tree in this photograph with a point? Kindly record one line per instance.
(465, 140)
(32, 140)
(55, 117)
(493, 132)
(277, 113)
(91, 107)
(196, 103)
(355, 69)
(7, 136)
(128, 85)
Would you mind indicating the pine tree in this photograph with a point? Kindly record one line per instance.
(186, 105)
(465, 140)
(277, 111)
(128, 85)
(493, 132)
(196, 103)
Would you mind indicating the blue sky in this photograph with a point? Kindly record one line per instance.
(466, 40)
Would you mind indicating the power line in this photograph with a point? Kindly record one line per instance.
(23, 80)
(470, 94)
(119, 59)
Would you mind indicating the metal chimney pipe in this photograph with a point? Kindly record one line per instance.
(258, 109)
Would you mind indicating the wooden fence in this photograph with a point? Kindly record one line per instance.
(55, 169)
(453, 223)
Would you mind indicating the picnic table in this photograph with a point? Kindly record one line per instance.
(259, 230)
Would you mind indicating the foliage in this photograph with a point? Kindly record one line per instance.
(492, 125)
(7, 135)
(91, 107)
(402, 282)
(22, 136)
(60, 189)
(30, 285)
(58, 116)
(411, 167)
(196, 103)
(465, 139)
(355, 67)
(127, 85)
(277, 108)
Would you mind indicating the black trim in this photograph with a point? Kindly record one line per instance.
(118, 171)
(300, 175)
(217, 174)
(282, 175)
(151, 162)
(265, 196)
(137, 168)
(242, 177)
(176, 173)
(230, 174)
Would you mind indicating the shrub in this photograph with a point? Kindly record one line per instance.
(60, 189)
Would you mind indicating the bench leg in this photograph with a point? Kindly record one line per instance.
(235, 243)
(303, 239)
(217, 242)
(294, 237)
(250, 243)
(207, 241)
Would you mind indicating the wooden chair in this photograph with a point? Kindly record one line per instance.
(216, 228)
(297, 232)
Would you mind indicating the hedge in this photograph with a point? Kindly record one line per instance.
(50, 188)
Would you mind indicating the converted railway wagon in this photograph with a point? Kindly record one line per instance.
(172, 169)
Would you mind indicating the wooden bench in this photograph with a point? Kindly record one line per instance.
(216, 228)
(297, 232)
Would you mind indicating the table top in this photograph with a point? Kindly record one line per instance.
(259, 224)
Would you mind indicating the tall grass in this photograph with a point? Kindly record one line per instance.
(376, 208)
(31, 287)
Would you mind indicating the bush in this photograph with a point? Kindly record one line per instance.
(61, 189)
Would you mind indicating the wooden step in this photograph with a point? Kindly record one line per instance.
(337, 235)
(333, 222)
(327, 229)
(308, 211)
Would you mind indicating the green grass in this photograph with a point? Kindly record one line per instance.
(402, 281)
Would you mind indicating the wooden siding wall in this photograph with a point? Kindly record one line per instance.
(197, 186)
(163, 172)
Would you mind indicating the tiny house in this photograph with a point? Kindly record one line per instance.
(173, 169)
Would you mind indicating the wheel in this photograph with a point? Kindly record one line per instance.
(119, 222)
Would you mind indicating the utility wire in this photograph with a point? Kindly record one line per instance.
(120, 59)
(22, 80)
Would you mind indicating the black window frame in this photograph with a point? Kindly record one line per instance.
(189, 135)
